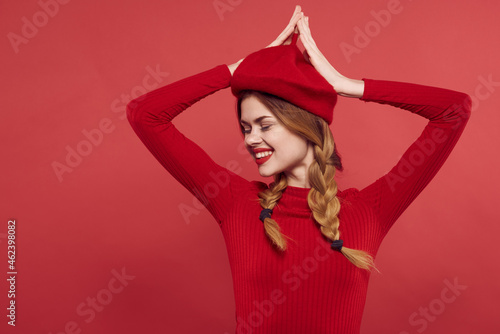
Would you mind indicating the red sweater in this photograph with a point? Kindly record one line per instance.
(309, 288)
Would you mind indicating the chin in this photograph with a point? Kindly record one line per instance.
(266, 172)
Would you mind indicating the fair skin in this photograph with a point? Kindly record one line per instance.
(290, 153)
(267, 139)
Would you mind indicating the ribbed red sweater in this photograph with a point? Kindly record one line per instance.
(309, 288)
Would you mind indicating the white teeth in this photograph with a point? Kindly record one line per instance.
(261, 155)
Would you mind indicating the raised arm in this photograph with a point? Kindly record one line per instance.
(447, 111)
(151, 118)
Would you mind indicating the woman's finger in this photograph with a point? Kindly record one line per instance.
(285, 34)
(306, 33)
(314, 55)
(298, 9)
(318, 60)
(305, 36)
(308, 41)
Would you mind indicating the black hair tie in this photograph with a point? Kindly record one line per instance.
(265, 213)
(337, 245)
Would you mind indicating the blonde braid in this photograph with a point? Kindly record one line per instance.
(322, 197)
(268, 200)
(323, 200)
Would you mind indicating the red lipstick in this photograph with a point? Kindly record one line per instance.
(263, 159)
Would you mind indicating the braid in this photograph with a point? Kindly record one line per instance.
(322, 197)
(268, 200)
(323, 200)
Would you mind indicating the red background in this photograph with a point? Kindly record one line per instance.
(119, 210)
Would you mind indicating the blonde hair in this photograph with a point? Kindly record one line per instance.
(322, 197)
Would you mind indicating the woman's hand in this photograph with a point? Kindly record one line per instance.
(342, 85)
(283, 39)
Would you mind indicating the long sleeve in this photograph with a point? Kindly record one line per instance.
(447, 111)
(151, 117)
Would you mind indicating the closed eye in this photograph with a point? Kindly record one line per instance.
(265, 128)
(247, 131)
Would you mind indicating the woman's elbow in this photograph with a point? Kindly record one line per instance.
(133, 114)
(464, 106)
(460, 110)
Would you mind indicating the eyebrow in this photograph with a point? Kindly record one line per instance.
(257, 120)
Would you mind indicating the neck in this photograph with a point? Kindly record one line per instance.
(299, 176)
(300, 181)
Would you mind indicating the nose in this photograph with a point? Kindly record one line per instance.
(253, 138)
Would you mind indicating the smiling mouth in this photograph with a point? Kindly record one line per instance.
(264, 154)
(262, 157)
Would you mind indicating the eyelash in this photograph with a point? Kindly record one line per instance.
(264, 128)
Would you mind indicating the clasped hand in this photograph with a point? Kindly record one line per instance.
(299, 23)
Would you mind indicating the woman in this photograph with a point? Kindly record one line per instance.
(306, 270)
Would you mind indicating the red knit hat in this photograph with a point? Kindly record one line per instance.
(283, 71)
